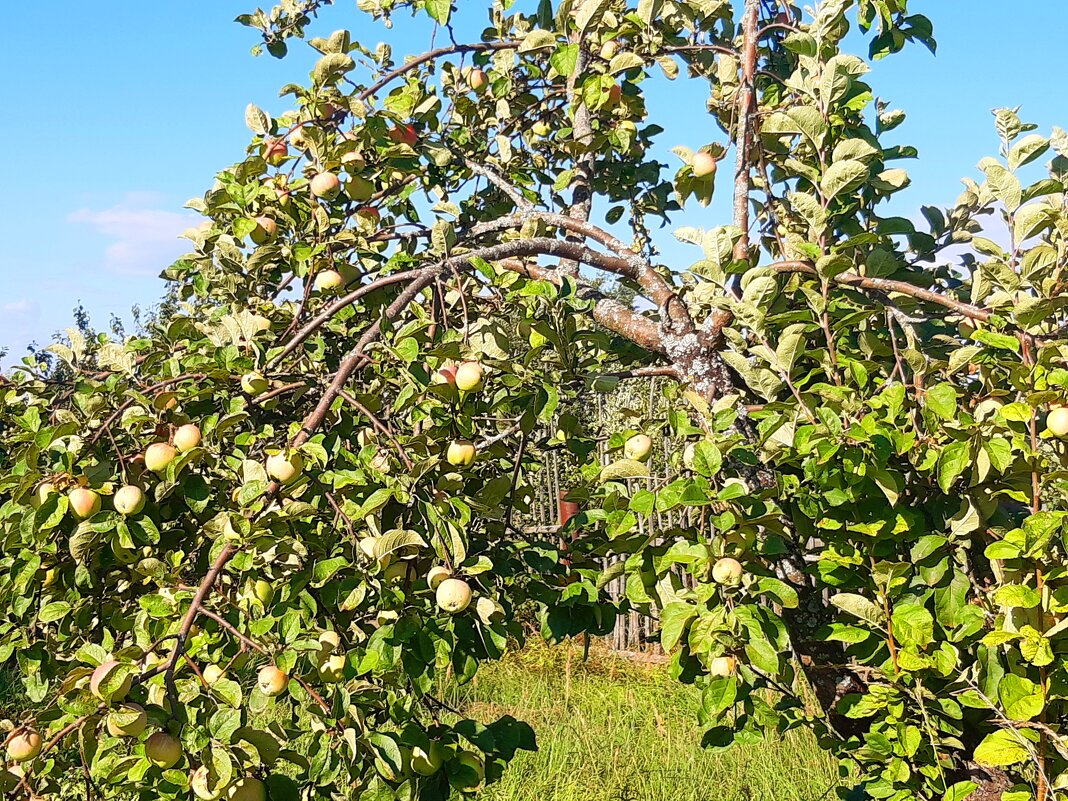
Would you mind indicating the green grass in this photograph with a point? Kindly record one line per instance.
(612, 730)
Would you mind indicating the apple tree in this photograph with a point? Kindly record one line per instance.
(242, 554)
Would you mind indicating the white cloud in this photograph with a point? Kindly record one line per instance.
(145, 239)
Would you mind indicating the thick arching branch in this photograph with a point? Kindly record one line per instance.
(431, 55)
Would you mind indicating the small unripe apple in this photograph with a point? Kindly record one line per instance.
(404, 135)
(200, 782)
(609, 49)
(477, 80)
(474, 765)
(469, 376)
(285, 469)
(445, 375)
(359, 188)
(328, 280)
(254, 384)
(688, 454)
(298, 138)
(326, 185)
(24, 747)
(367, 546)
(271, 681)
(1057, 422)
(159, 455)
(703, 164)
(427, 763)
(541, 128)
(247, 788)
(380, 462)
(96, 683)
(187, 437)
(461, 453)
(83, 502)
(212, 673)
(437, 574)
(722, 666)
(265, 231)
(264, 591)
(162, 750)
(453, 595)
(275, 151)
(329, 641)
(727, 571)
(638, 447)
(41, 494)
(332, 670)
(129, 500)
(128, 720)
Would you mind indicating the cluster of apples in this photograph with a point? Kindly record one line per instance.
(284, 467)
(467, 378)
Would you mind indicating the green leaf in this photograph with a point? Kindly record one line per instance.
(439, 10)
(1020, 697)
(942, 400)
(843, 176)
(624, 468)
(1016, 596)
(954, 460)
(960, 791)
(537, 39)
(674, 618)
(858, 606)
(913, 625)
(1001, 748)
(565, 59)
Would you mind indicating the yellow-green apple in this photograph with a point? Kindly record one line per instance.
(453, 595)
(24, 746)
(254, 384)
(41, 494)
(128, 720)
(325, 185)
(472, 772)
(722, 666)
(429, 762)
(205, 784)
(333, 668)
(461, 453)
(247, 788)
(129, 500)
(285, 468)
(159, 455)
(328, 280)
(437, 574)
(187, 437)
(703, 164)
(1057, 422)
(271, 681)
(83, 502)
(265, 231)
(609, 49)
(264, 591)
(163, 750)
(727, 571)
(102, 685)
(359, 188)
(638, 447)
(469, 376)
(212, 673)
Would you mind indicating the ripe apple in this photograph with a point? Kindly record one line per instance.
(371, 212)
(200, 780)
(722, 666)
(100, 674)
(404, 135)
(353, 161)
(472, 764)
(328, 280)
(162, 750)
(359, 188)
(638, 447)
(83, 502)
(265, 231)
(326, 185)
(445, 375)
(186, 437)
(247, 788)
(615, 94)
(477, 80)
(727, 571)
(129, 500)
(24, 747)
(275, 151)
(427, 763)
(469, 376)
(41, 494)
(703, 164)
(453, 595)
(285, 469)
(437, 574)
(271, 681)
(461, 453)
(609, 49)
(254, 384)
(212, 673)
(128, 720)
(298, 138)
(1057, 422)
(159, 455)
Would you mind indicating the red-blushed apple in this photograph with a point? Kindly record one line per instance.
(159, 455)
(325, 185)
(128, 720)
(265, 231)
(722, 666)
(453, 595)
(703, 164)
(469, 377)
(84, 503)
(102, 685)
(254, 384)
(461, 453)
(445, 375)
(727, 570)
(129, 500)
(437, 574)
(1057, 422)
(275, 151)
(328, 281)
(187, 437)
(271, 681)
(615, 94)
(404, 135)
(285, 469)
(163, 750)
(638, 447)
(42, 493)
(477, 80)
(24, 746)
(205, 784)
(353, 161)
(370, 212)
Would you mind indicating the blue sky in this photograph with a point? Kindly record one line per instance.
(115, 119)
